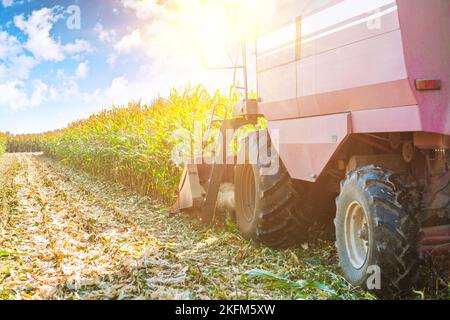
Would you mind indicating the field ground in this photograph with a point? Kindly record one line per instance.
(65, 235)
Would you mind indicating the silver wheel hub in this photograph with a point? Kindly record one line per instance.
(356, 235)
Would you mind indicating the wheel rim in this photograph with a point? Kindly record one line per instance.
(356, 235)
(248, 194)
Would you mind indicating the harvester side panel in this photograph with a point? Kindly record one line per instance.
(346, 56)
(425, 29)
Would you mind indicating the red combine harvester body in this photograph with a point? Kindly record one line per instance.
(350, 74)
(358, 95)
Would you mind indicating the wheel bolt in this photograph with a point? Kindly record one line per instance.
(363, 234)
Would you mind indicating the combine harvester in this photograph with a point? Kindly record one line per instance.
(357, 96)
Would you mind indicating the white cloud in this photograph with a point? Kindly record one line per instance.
(7, 3)
(103, 35)
(14, 64)
(60, 73)
(53, 93)
(121, 91)
(40, 43)
(82, 70)
(144, 9)
(17, 68)
(112, 59)
(39, 93)
(116, 93)
(9, 45)
(79, 46)
(13, 95)
(130, 42)
(37, 27)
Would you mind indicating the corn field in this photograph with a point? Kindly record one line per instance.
(3, 143)
(133, 145)
(23, 143)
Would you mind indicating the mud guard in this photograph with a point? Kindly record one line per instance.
(191, 192)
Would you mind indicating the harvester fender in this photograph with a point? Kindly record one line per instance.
(190, 191)
(307, 145)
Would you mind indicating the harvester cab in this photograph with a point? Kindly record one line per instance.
(356, 98)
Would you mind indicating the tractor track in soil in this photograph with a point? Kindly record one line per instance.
(66, 235)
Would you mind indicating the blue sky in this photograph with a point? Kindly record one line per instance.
(53, 73)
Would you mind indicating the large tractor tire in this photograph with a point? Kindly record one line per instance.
(378, 231)
(268, 207)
